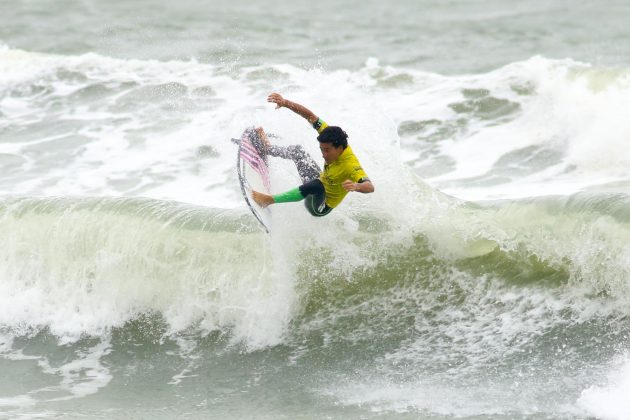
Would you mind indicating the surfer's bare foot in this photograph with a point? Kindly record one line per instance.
(264, 138)
(263, 200)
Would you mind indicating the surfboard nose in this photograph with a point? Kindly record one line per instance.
(252, 134)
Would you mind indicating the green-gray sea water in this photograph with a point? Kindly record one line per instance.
(488, 276)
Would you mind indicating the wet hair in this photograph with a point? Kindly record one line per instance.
(333, 135)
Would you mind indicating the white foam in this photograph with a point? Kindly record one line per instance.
(81, 376)
(18, 401)
(571, 109)
(86, 374)
(188, 351)
(211, 280)
(126, 151)
(611, 400)
(425, 397)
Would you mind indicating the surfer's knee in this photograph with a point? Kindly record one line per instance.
(297, 151)
(313, 187)
(316, 205)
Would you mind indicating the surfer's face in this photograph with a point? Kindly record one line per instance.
(330, 153)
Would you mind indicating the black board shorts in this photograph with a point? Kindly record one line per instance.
(315, 198)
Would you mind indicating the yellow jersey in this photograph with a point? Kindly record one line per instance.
(346, 166)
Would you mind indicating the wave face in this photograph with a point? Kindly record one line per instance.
(524, 301)
(487, 276)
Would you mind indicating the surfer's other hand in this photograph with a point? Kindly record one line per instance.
(277, 99)
(349, 185)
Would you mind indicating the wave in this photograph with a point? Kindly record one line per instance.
(378, 307)
(85, 265)
(80, 266)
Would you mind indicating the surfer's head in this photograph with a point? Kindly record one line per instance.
(332, 142)
(333, 135)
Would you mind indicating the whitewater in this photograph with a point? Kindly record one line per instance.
(488, 276)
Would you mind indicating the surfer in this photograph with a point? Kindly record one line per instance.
(323, 190)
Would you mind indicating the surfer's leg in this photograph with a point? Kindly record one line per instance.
(306, 166)
(313, 191)
(315, 195)
(262, 199)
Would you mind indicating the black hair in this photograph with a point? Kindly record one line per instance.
(334, 135)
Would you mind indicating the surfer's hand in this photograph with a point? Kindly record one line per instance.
(277, 99)
(349, 185)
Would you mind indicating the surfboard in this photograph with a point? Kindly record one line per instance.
(253, 174)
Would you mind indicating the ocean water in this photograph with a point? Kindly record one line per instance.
(488, 276)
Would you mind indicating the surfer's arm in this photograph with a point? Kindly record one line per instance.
(293, 106)
(363, 186)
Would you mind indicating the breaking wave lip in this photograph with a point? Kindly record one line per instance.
(84, 265)
(97, 267)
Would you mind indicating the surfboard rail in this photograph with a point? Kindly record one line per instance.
(250, 156)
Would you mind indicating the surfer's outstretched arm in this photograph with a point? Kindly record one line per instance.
(295, 107)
